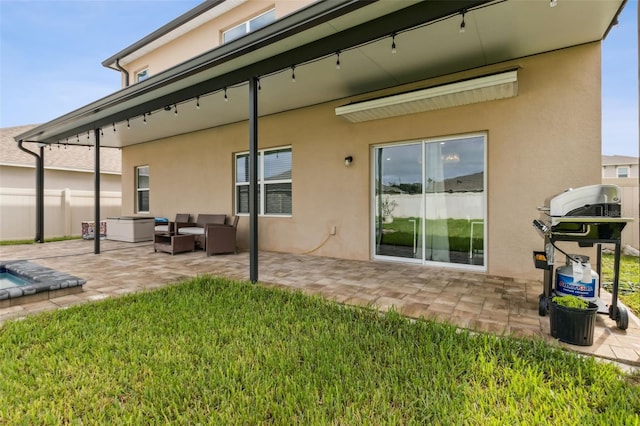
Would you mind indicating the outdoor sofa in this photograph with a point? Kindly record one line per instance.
(197, 229)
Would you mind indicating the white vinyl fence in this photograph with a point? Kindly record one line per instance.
(64, 211)
(463, 205)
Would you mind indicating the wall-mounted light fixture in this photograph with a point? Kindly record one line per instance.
(348, 160)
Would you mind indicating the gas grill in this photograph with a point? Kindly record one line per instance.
(587, 215)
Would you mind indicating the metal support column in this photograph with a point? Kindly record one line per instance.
(40, 196)
(39, 189)
(96, 215)
(253, 179)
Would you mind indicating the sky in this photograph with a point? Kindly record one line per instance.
(51, 53)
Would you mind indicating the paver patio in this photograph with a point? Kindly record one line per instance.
(471, 300)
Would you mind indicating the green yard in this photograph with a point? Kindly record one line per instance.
(214, 351)
(454, 232)
(629, 280)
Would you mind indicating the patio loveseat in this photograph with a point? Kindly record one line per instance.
(198, 229)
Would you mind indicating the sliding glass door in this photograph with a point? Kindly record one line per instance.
(429, 201)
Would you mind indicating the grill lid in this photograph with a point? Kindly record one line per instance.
(593, 200)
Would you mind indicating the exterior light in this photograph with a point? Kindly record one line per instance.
(348, 160)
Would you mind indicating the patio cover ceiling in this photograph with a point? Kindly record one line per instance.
(428, 44)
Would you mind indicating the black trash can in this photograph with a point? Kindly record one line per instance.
(572, 325)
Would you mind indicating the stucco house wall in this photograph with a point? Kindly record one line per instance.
(24, 177)
(611, 164)
(206, 36)
(539, 143)
(630, 187)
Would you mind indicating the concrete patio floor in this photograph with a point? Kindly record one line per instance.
(475, 301)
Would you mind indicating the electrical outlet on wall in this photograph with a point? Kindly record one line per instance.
(333, 230)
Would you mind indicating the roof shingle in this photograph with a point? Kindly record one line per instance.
(611, 160)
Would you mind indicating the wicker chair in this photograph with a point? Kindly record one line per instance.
(170, 228)
(221, 238)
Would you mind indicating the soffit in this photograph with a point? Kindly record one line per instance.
(497, 32)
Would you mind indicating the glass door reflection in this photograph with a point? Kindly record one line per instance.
(398, 201)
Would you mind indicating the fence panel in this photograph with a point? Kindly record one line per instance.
(64, 211)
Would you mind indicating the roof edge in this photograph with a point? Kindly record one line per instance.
(162, 31)
(297, 21)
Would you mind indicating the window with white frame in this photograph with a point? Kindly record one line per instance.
(248, 26)
(622, 171)
(142, 75)
(142, 189)
(274, 182)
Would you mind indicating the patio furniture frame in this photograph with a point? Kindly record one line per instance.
(182, 219)
(173, 243)
(221, 238)
(198, 229)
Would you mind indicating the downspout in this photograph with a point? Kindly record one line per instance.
(39, 190)
(96, 214)
(124, 71)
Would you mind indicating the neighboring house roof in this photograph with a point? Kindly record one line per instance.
(308, 42)
(615, 160)
(58, 157)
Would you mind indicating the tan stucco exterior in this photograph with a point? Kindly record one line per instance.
(24, 177)
(206, 36)
(539, 143)
(630, 208)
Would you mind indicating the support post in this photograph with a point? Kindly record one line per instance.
(40, 196)
(253, 180)
(39, 189)
(96, 216)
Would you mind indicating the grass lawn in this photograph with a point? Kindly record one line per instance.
(628, 281)
(214, 351)
(46, 240)
(452, 233)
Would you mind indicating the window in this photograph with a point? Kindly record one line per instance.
(248, 26)
(142, 75)
(274, 182)
(142, 189)
(622, 171)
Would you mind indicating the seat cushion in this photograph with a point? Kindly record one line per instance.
(161, 228)
(191, 230)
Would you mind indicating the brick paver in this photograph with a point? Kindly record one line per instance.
(471, 300)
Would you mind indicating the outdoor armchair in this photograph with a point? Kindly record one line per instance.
(182, 219)
(221, 238)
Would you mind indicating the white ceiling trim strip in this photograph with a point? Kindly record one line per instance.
(482, 89)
